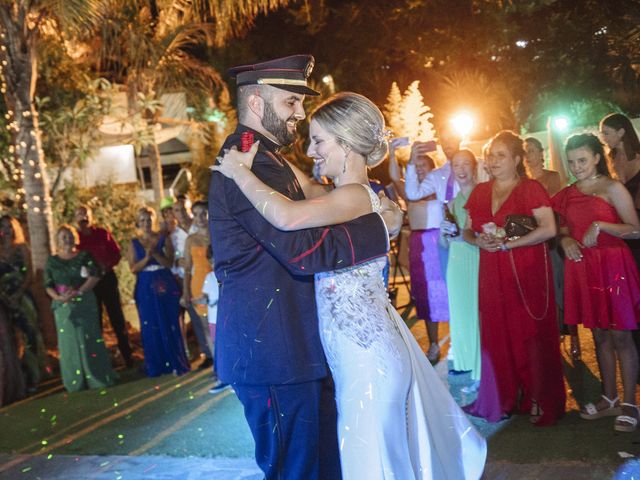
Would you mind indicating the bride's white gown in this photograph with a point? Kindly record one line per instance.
(396, 418)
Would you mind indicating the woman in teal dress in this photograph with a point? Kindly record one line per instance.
(69, 279)
(462, 274)
(16, 275)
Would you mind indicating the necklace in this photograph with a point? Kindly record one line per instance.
(597, 175)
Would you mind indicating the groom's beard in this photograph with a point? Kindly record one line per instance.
(276, 126)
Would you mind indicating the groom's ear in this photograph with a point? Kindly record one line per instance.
(256, 105)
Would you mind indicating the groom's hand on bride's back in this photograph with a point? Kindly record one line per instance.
(391, 215)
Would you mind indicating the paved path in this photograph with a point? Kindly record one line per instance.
(170, 428)
(150, 467)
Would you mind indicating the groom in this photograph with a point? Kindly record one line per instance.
(267, 344)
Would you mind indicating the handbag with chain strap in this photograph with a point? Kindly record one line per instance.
(517, 226)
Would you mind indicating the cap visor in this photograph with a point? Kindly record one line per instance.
(304, 90)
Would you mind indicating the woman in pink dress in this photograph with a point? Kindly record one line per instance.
(521, 363)
(602, 290)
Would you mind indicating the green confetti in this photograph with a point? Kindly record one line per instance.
(120, 435)
(44, 442)
(26, 469)
(50, 456)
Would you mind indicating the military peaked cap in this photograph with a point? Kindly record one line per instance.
(287, 73)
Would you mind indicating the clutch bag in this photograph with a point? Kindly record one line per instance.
(517, 226)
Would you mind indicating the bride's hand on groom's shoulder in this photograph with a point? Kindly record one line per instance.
(233, 159)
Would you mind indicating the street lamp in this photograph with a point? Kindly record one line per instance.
(462, 123)
(561, 123)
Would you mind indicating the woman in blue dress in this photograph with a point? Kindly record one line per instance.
(157, 297)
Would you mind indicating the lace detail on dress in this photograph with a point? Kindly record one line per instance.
(375, 200)
(352, 304)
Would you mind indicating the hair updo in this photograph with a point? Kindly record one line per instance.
(356, 122)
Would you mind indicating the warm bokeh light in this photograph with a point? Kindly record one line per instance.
(462, 123)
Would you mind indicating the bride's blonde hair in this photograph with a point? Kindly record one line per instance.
(356, 122)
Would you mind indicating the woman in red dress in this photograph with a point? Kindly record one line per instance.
(521, 363)
(602, 290)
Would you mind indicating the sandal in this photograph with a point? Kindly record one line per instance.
(626, 423)
(536, 412)
(591, 412)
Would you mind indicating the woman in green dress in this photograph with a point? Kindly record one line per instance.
(69, 279)
(16, 275)
(462, 274)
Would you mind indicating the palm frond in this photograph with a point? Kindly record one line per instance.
(75, 16)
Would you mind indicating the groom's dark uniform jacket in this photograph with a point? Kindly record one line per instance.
(267, 338)
(267, 328)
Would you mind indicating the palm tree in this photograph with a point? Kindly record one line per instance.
(22, 23)
(149, 46)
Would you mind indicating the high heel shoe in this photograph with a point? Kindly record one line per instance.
(575, 348)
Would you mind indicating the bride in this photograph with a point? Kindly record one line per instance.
(396, 418)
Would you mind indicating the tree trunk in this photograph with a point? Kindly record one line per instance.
(156, 172)
(136, 84)
(19, 80)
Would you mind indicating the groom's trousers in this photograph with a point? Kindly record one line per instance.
(294, 428)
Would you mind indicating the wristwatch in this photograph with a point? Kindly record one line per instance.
(503, 246)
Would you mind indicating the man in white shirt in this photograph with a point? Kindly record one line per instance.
(441, 183)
